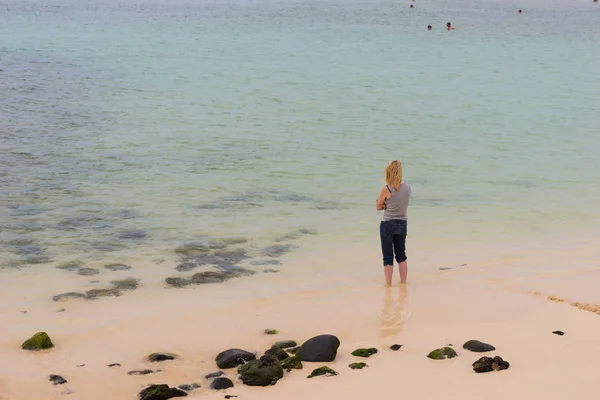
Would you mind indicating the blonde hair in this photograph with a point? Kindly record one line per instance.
(393, 174)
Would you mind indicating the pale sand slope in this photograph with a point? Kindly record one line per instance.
(436, 308)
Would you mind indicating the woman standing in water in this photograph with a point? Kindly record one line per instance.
(394, 199)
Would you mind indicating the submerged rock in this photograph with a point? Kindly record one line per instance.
(158, 357)
(364, 352)
(321, 348)
(133, 234)
(264, 372)
(284, 344)
(266, 262)
(233, 357)
(221, 383)
(117, 267)
(178, 282)
(442, 354)
(39, 341)
(395, 347)
(277, 353)
(186, 266)
(57, 379)
(322, 371)
(270, 271)
(88, 271)
(189, 387)
(277, 250)
(126, 284)
(71, 265)
(95, 293)
(142, 372)
(477, 346)
(210, 277)
(69, 295)
(214, 375)
(487, 364)
(235, 240)
(291, 363)
(193, 249)
(161, 392)
(359, 365)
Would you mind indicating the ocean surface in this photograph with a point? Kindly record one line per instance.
(128, 127)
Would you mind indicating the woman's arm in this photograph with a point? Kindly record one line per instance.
(383, 196)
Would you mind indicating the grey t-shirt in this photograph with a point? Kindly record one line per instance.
(397, 203)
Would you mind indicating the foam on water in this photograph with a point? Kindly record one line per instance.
(130, 127)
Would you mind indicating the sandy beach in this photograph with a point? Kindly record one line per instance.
(469, 299)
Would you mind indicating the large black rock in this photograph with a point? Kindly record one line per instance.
(233, 357)
(221, 383)
(478, 347)
(487, 364)
(321, 348)
(161, 392)
(264, 372)
(279, 354)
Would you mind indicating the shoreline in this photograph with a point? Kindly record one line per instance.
(491, 298)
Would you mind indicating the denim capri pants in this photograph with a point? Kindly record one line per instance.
(393, 240)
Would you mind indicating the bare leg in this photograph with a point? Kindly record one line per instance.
(388, 270)
(403, 267)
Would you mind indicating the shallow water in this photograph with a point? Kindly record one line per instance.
(128, 128)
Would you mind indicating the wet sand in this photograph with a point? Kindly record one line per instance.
(486, 299)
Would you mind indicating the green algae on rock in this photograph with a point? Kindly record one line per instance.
(39, 341)
(264, 372)
(322, 371)
(284, 344)
(359, 365)
(161, 392)
(270, 331)
(442, 354)
(364, 352)
(291, 363)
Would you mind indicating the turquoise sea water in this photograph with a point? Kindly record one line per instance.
(130, 127)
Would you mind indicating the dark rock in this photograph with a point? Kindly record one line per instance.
(231, 253)
(230, 396)
(193, 249)
(80, 365)
(395, 347)
(236, 271)
(69, 295)
(214, 374)
(321, 348)
(277, 353)
(322, 371)
(478, 347)
(442, 354)
(88, 271)
(189, 387)
(142, 372)
(487, 364)
(221, 383)
(158, 357)
(284, 344)
(291, 363)
(233, 357)
(39, 341)
(264, 372)
(210, 277)
(445, 269)
(113, 365)
(133, 234)
(270, 271)
(57, 379)
(293, 350)
(161, 392)
(364, 352)
(71, 265)
(235, 240)
(178, 282)
(61, 310)
(266, 262)
(186, 266)
(95, 293)
(277, 250)
(125, 284)
(117, 267)
(559, 333)
(359, 365)
(270, 331)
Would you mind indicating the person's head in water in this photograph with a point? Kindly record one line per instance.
(411, 6)
(429, 27)
(449, 26)
(393, 174)
(520, 11)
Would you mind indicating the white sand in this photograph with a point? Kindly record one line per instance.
(488, 299)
